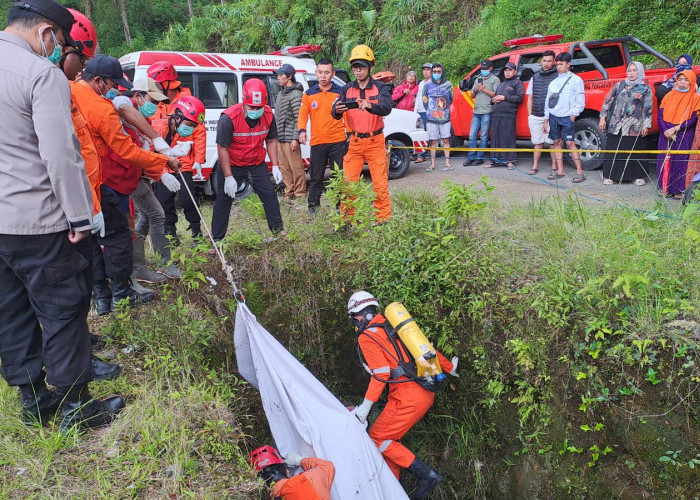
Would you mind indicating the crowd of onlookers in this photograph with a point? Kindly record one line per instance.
(554, 99)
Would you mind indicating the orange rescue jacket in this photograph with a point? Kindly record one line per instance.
(380, 356)
(167, 109)
(106, 130)
(316, 104)
(88, 151)
(312, 484)
(366, 122)
(198, 151)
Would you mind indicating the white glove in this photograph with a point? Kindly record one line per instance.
(197, 168)
(276, 174)
(161, 146)
(362, 411)
(182, 148)
(170, 182)
(455, 361)
(293, 460)
(146, 144)
(98, 224)
(230, 186)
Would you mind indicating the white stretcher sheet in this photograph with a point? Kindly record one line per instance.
(305, 418)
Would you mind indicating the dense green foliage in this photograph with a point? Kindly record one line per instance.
(404, 33)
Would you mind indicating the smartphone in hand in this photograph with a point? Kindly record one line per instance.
(349, 104)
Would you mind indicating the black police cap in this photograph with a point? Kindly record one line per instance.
(52, 11)
(107, 67)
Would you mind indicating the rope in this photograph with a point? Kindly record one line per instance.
(225, 266)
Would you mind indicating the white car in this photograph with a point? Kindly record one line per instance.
(217, 80)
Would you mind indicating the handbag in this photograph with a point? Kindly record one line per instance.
(554, 96)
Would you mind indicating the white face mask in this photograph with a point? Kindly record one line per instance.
(56, 54)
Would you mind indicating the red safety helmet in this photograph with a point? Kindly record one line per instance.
(254, 92)
(264, 456)
(83, 33)
(162, 71)
(190, 107)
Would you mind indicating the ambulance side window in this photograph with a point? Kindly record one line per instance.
(273, 88)
(186, 79)
(216, 90)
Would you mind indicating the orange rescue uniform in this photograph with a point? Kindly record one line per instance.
(106, 130)
(367, 140)
(316, 104)
(198, 151)
(312, 484)
(407, 402)
(88, 151)
(167, 109)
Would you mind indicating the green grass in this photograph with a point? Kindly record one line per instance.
(576, 328)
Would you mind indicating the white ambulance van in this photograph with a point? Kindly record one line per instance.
(217, 80)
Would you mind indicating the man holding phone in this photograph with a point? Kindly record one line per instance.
(483, 90)
(364, 103)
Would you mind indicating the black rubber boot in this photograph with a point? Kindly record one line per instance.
(38, 402)
(428, 479)
(79, 409)
(104, 370)
(121, 290)
(172, 231)
(102, 295)
(96, 341)
(141, 270)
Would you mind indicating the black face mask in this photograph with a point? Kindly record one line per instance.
(62, 60)
(361, 324)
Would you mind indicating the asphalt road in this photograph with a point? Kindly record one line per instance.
(517, 185)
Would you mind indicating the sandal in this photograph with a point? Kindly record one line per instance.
(639, 182)
(420, 159)
(511, 166)
(554, 175)
(533, 171)
(578, 178)
(447, 168)
(608, 182)
(430, 169)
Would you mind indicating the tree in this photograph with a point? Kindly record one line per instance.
(125, 22)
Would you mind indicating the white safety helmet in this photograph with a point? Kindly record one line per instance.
(359, 300)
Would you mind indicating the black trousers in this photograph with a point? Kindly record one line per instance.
(116, 260)
(259, 177)
(167, 201)
(321, 154)
(44, 302)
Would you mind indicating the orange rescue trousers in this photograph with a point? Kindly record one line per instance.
(406, 405)
(371, 150)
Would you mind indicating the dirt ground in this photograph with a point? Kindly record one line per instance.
(516, 185)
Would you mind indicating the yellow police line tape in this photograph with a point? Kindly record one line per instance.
(551, 150)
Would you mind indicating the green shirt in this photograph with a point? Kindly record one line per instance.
(482, 101)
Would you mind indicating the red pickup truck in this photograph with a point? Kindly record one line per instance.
(601, 64)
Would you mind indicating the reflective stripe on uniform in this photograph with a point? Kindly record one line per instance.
(383, 369)
(250, 134)
(385, 445)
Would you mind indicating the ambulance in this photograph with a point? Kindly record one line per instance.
(217, 80)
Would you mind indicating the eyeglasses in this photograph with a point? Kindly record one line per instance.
(358, 66)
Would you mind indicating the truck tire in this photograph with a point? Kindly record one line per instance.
(244, 190)
(587, 135)
(399, 160)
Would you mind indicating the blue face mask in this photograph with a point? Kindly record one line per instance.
(254, 114)
(185, 130)
(148, 109)
(485, 72)
(436, 78)
(55, 55)
(111, 94)
(683, 90)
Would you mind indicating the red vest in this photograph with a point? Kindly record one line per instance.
(247, 145)
(117, 173)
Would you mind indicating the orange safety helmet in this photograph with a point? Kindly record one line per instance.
(190, 107)
(83, 33)
(384, 76)
(162, 71)
(254, 92)
(264, 456)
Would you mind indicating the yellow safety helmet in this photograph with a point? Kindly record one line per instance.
(362, 53)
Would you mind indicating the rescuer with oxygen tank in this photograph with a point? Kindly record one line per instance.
(395, 352)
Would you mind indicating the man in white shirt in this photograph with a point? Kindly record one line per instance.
(565, 101)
